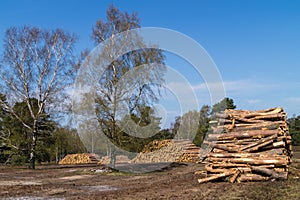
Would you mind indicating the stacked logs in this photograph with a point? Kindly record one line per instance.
(155, 145)
(73, 159)
(190, 152)
(168, 151)
(105, 160)
(249, 146)
(158, 151)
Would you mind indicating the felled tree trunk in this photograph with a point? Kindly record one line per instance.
(217, 176)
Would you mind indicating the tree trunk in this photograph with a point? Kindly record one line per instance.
(33, 145)
(112, 163)
(33, 148)
(56, 155)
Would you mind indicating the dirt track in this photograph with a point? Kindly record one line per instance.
(177, 181)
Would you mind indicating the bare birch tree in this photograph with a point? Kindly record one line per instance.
(123, 82)
(37, 64)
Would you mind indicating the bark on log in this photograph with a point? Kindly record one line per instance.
(235, 165)
(230, 155)
(270, 173)
(226, 148)
(252, 161)
(234, 177)
(251, 121)
(263, 140)
(246, 155)
(273, 152)
(209, 168)
(251, 177)
(228, 165)
(275, 116)
(222, 170)
(242, 135)
(258, 146)
(217, 176)
(250, 114)
(263, 126)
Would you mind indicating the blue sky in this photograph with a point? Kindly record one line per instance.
(255, 44)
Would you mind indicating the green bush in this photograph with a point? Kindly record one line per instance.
(18, 160)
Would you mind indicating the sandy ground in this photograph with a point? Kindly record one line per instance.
(174, 181)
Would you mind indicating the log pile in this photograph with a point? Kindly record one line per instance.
(105, 160)
(249, 146)
(168, 151)
(73, 159)
(190, 152)
(155, 145)
(159, 151)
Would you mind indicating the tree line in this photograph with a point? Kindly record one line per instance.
(197, 122)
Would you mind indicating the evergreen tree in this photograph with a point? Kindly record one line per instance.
(203, 125)
(5, 142)
(20, 136)
(294, 128)
(226, 103)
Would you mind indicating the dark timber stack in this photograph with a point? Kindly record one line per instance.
(249, 146)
